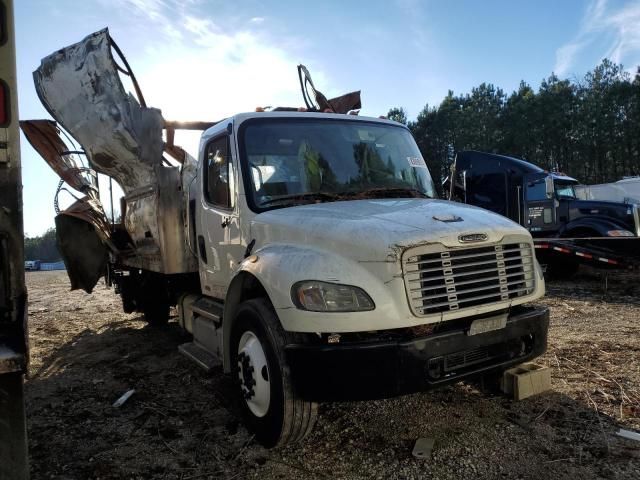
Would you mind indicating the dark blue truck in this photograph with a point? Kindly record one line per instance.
(567, 231)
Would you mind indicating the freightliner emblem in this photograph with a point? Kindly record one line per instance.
(473, 237)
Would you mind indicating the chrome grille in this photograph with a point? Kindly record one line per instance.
(463, 278)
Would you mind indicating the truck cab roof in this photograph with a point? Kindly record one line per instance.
(239, 118)
(483, 162)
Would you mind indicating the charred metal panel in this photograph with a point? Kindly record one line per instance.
(154, 218)
(82, 230)
(44, 136)
(81, 88)
(82, 250)
(83, 239)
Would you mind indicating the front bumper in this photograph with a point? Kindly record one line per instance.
(368, 370)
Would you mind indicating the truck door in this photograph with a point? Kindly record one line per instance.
(539, 206)
(217, 223)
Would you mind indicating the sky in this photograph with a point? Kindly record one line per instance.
(209, 59)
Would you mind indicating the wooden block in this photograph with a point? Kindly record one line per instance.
(526, 380)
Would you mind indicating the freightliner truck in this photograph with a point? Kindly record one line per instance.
(306, 251)
(13, 296)
(567, 230)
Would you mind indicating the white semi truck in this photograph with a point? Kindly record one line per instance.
(306, 252)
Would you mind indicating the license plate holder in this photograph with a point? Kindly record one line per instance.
(484, 325)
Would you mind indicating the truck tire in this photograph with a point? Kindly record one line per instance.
(270, 405)
(156, 313)
(154, 300)
(561, 267)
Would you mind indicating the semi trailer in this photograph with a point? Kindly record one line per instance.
(304, 249)
(626, 190)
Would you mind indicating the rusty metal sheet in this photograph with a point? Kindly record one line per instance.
(83, 232)
(84, 239)
(346, 103)
(44, 137)
(90, 210)
(81, 88)
(82, 249)
(316, 101)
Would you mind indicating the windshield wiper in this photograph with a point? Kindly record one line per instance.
(387, 192)
(302, 196)
(384, 192)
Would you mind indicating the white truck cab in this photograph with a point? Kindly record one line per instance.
(307, 253)
(341, 275)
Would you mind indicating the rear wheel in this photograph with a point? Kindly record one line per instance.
(562, 266)
(156, 313)
(147, 294)
(270, 404)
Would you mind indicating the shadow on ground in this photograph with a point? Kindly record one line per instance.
(178, 421)
(181, 423)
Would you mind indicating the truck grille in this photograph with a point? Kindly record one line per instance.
(457, 279)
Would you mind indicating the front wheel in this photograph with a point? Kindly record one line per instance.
(270, 404)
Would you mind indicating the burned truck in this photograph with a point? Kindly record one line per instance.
(305, 249)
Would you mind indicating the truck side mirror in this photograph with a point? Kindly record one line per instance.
(548, 186)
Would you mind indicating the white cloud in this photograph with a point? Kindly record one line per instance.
(617, 30)
(209, 70)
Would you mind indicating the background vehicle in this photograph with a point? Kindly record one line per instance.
(305, 251)
(13, 295)
(32, 264)
(598, 232)
(626, 190)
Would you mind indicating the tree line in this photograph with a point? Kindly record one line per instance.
(587, 128)
(42, 247)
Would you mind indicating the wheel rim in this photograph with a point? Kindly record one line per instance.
(253, 373)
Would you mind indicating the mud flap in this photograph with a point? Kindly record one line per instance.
(83, 251)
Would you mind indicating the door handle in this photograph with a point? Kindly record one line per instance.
(226, 221)
(202, 249)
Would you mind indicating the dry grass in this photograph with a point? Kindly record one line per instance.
(181, 423)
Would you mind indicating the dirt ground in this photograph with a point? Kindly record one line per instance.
(181, 423)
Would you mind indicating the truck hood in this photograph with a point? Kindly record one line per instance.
(379, 229)
(621, 213)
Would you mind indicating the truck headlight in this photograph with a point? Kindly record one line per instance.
(317, 296)
(620, 233)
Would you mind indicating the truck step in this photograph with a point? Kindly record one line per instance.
(200, 356)
(209, 309)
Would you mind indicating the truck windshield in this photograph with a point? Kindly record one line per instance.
(309, 160)
(564, 190)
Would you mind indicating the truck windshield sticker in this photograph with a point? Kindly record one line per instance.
(416, 162)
